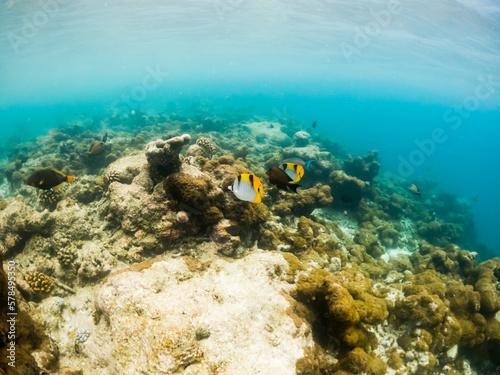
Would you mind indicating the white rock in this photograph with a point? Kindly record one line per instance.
(452, 353)
(166, 317)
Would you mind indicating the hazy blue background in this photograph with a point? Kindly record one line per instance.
(373, 74)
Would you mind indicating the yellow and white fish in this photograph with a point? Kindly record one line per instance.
(294, 171)
(247, 187)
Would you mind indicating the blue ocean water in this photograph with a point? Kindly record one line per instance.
(417, 80)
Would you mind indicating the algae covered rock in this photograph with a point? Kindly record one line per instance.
(125, 169)
(347, 190)
(340, 302)
(305, 202)
(365, 168)
(163, 155)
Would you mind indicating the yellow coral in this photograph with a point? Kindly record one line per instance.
(39, 282)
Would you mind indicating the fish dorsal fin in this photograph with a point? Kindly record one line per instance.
(55, 170)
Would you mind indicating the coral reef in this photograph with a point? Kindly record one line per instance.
(352, 275)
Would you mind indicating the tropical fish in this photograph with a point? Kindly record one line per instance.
(314, 124)
(429, 169)
(298, 161)
(281, 180)
(49, 178)
(233, 230)
(294, 171)
(98, 147)
(475, 199)
(414, 189)
(247, 187)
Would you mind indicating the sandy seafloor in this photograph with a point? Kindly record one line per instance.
(129, 268)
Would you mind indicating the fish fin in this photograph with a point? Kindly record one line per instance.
(105, 138)
(293, 187)
(308, 163)
(69, 178)
(55, 170)
(57, 187)
(258, 196)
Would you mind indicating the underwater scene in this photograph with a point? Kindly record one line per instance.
(228, 187)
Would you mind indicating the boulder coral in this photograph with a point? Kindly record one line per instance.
(301, 138)
(347, 191)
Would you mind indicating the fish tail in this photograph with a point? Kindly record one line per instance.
(69, 178)
(105, 138)
(293, 187)
(308, 163)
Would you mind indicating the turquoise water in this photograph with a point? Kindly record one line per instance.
(418, 81)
